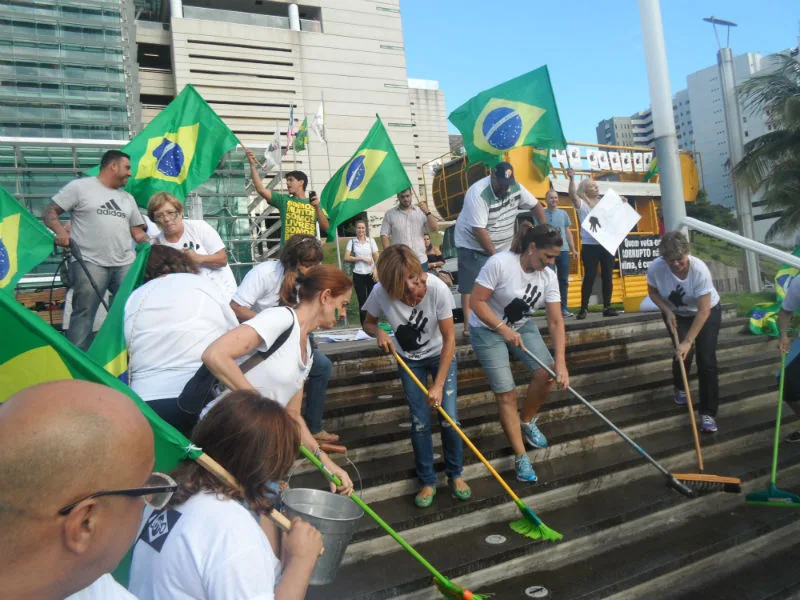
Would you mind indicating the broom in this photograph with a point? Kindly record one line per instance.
(530, 525)
(701, 481)
(772, 496)
(447, 588)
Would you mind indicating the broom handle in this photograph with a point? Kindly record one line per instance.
(778, 421)
(688, 402)
(365, 507)
(464, 437)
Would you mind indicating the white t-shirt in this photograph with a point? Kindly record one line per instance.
(282, 375)
(203, 239)
(583, 212)
(416, 328)
(261, 287)
(169, 322)
(497, 215)
(365, 250)
(104, 588)
(682, 294)
(791, 301)
(205, 549)
(516, 295)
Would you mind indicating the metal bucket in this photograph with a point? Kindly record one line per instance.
(334, 516)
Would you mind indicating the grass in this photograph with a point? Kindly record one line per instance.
(745, 301)
(709, 248)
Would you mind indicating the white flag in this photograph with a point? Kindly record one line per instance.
(273, 154)
(610, 221)
(318, 124)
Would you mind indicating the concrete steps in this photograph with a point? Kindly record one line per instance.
(626, 534)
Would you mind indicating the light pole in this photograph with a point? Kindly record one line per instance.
(733, 123)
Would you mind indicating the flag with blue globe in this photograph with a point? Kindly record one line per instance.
(519, 112)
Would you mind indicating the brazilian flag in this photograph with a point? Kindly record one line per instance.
(24, 241)
(301, 137)
(109, 348)
(178, 150)
(764, 316)
(519, 112)
(373, 174)
(652, 170)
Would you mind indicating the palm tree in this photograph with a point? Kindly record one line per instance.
(773, 159)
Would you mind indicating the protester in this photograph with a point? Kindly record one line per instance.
(104, 218)
(322, 291)
(75, 472)
(420, 310)
(681, 286)
(197, 239)
(273, 282)
(486, 225)
(406, 224)
(299, 213)
(169, 321)
(363, 252)
(436, 261)
(207, 542)
(585, 197)
(559, 219)
(511, 286)
(791, 386)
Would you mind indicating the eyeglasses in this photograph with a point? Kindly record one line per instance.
(165, 217)
(157, 493)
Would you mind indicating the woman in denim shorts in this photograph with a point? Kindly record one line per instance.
(419, 307)
(508, 290)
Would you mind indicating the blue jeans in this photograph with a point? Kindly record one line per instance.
(561, 267)
(316, 390)
(85, 300)
(421, 438)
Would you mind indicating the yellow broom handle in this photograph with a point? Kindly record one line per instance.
(688, 401)
(463, 436)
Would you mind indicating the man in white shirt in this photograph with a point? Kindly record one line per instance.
(485, 225)
(407, 224)
(63, 442)
(104, 218)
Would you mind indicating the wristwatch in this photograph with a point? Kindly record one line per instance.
(427, 214)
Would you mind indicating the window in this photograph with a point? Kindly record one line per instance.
(154, 56)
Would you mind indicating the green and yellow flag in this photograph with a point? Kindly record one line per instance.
(301, 137)
(373, 174)
(519, 112)
(24, 241)
(109, 348)
(652, 170)
(178, 150)
(764, 316)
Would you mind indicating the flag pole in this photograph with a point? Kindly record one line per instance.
(330, 171)
(311, 178)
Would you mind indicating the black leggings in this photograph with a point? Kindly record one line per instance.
(593, 255)
(363, 285)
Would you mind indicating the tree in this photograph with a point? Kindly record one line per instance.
(716, 214)
(772, 161)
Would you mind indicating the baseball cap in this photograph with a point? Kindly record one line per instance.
(504, 174)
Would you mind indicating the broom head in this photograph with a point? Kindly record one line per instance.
(772, 496)
(532, 526)
(710, 483)
(448, 589)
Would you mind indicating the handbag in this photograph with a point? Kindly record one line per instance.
(349, 267)
(204, 386)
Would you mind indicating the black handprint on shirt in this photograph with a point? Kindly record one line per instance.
(594, 224)
(409, 334)
(522, 307)
(676, 296)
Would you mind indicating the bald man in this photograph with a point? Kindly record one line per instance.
(62, 442)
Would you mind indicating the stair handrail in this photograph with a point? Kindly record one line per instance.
(778, 256)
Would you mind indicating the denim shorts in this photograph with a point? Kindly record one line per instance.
(470, 263)
(493, 354)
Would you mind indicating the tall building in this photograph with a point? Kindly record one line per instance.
(616, 131)
(429, 121)
(682, 113)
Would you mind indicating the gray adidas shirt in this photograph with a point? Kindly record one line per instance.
(101, 220)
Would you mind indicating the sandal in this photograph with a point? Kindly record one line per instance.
(460, 494)
(425, 501)
(324, 436)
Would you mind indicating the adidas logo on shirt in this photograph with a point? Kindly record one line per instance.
(111, 208)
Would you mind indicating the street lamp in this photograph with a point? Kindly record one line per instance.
(733, 123)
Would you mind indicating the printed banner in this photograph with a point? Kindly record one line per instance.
(637, 252)
(610, 221)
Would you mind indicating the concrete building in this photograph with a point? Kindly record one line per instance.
(616, 131)
(682, 113)
(429, 121)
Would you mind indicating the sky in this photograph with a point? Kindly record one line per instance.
(592, 49)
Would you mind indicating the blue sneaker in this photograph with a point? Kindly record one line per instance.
(708, 424)
(524, 469)
(533, 435)
(680, 397)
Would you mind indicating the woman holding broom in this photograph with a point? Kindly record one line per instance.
(420, 310)
(511, 286)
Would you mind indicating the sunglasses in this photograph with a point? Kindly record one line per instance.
(166, 217)
(157, 493)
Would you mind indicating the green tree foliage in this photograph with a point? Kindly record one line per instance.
(716, 214)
